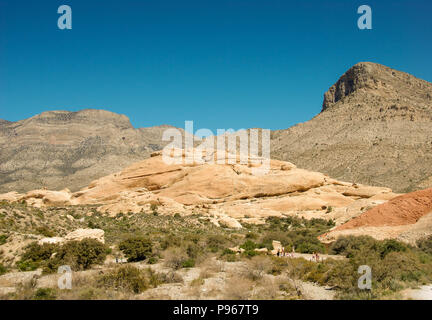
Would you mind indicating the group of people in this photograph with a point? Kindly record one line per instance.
(282, 253)
(315, 257)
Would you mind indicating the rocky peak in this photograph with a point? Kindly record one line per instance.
(372, 80)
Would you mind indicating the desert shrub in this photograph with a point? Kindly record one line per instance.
(93, 225)
(136, 248)
(170, 277)
(3, 239)
(153, 208)
(80, 255)
(44, 294)
(425, 245)
(309, 246)
(237, 289)
(228, 255)
(193, 250)
(216, 242)
(45, 231)
(251, 235)
(170, 241)
(152, 260)
(3, 269)
(35, 255)
(256, 268)
(277, 265)
(303, 238)
(316, 226)
(394, 266)
(175, 258)
(391, 246)
(126, 278)
(249, 245)
(350, 246)
(189, 263)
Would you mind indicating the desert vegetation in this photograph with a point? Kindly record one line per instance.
(190, 256)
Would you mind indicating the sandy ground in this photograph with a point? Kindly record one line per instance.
(423, 293)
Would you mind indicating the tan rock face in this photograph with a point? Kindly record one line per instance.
(52, 240)
(81, 234)
(76, 235)
(228, 194)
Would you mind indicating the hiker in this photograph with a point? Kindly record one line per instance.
(278, 253)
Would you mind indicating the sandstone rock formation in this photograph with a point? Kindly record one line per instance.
(228, 194)
(60, 149)
(77, 235)
(407, 217)
(373, 129)
(81, 234)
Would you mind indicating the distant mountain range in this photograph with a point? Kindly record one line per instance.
(374, 129)
(61, 149)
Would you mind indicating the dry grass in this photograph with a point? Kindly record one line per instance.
(237, 288)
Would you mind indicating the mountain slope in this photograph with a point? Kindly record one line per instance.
(60, 149)
(374, 128)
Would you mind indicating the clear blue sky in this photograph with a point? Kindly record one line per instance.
(223, 64)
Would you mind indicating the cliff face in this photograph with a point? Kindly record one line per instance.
(60, 149)
(374, 128)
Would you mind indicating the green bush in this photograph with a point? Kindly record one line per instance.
(391, 246)
(3, 269)
(80, 255)
(36, 255)
(216, 242)
(249, 245)
(394, 266)
(228, 255)
(44, 294)
(189, 263)
(126, 278)
(45, 231)
(136, 248)
(350, 246)
(425, 245)
(152, 260)
(3, 239)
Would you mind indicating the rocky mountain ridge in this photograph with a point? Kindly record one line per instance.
(374, 127)
(59, 149)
